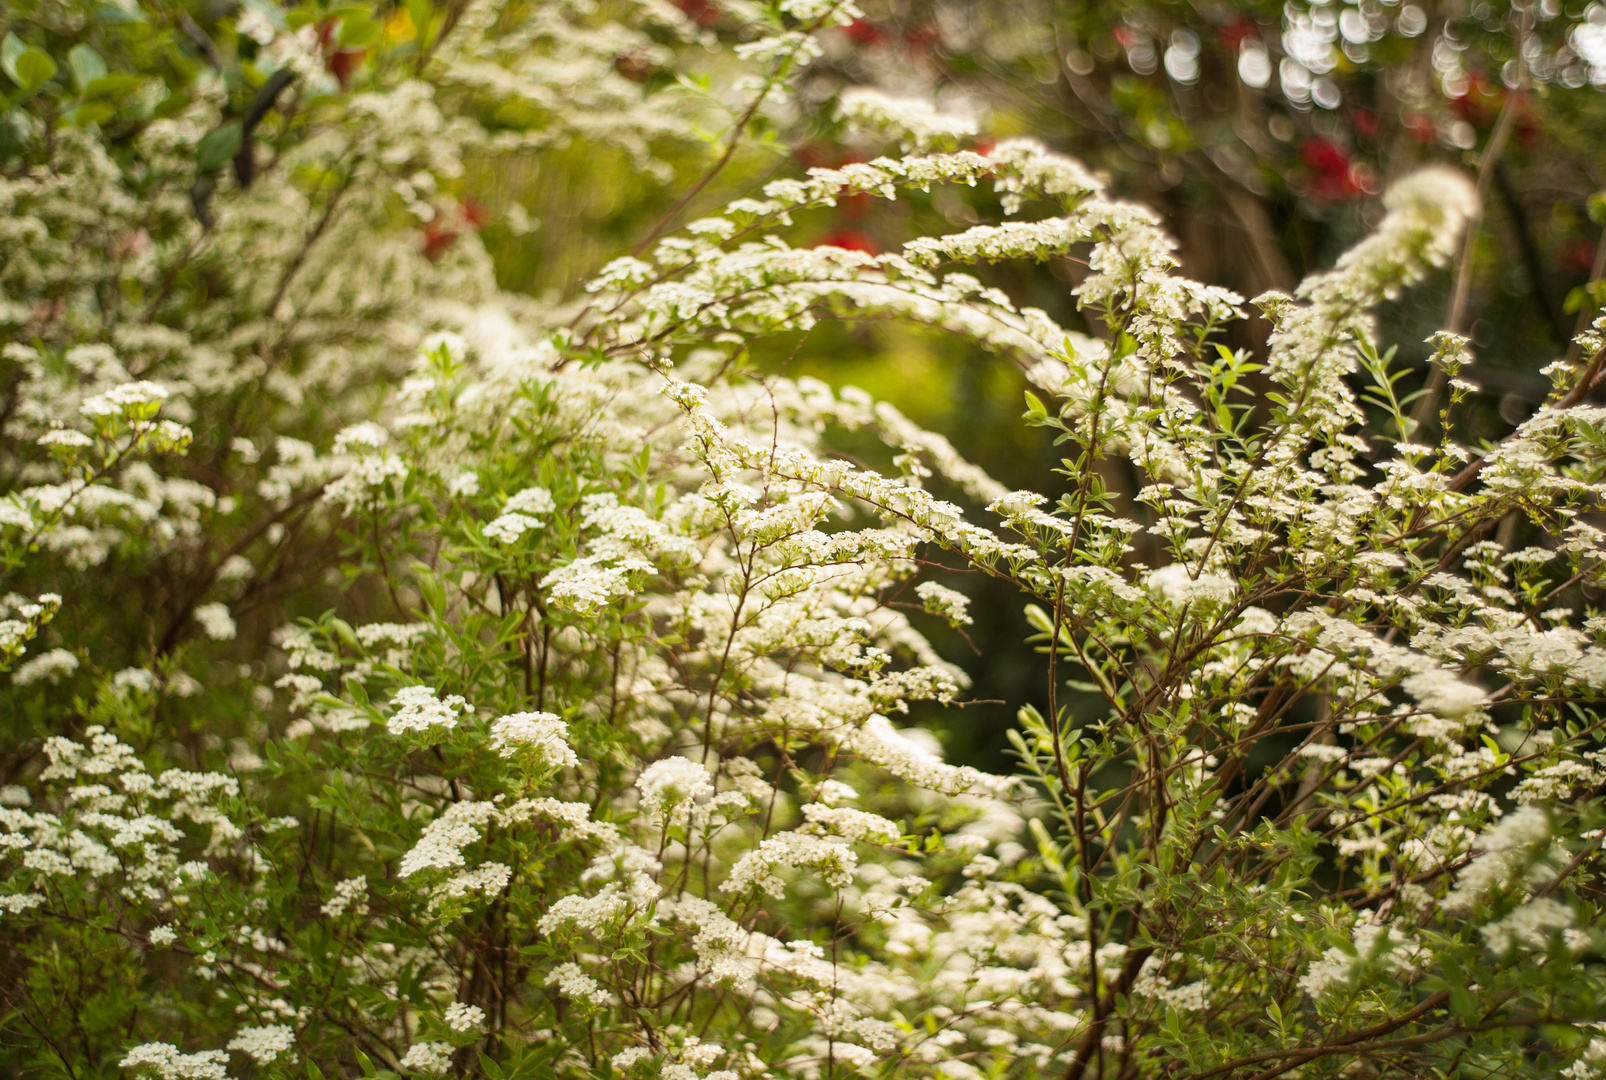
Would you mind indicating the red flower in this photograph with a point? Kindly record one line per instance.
(475, 215)
(865, 32)
(437, 238)
(1333, 175)
(1365, 121)
(702, 12)
(850, 239)
(1236, 32)
(342, 63)
(1325, 156)
(1579, 258)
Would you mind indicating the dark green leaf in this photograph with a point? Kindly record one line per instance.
(112, 85)
(92, 112)
(219, 146)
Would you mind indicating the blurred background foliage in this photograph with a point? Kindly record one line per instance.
(1263, 133)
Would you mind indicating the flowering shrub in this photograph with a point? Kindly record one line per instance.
(598, 768)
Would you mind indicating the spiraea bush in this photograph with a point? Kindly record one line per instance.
(409, 676)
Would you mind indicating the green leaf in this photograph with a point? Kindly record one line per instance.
(34, 69)
(490, 1068)
(111, 85)
(1039, 619)
(1597, 207)
(10, 49)
(219, 146)
(86, 65)
(421, 12)
(92, 112)
(1034, 405)
(358, 32)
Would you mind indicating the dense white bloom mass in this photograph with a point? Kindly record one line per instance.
(265, 1044)
(429, 1058)
(418, 709)
(913, 121)
(46, 667)
(350, 895)
(1319, 716)
(164, 1061)
(541, 735)
(669, 787)
(941, 600)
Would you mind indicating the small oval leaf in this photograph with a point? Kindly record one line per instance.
(86, 65)
(219, 145)
(34, 69)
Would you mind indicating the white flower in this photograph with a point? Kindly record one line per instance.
(216, 621)
(255, 25)
(235, 568)
(418, 709)
(911, 121)
(453, 345)
(351, 894)
(534, 501)
(17, 903)
(432, 1058)
(1179, 586)
(669, 787)
(632, 1056)
(945, 602)
(760, 868)
(46, 667)
(1508, 850)
(141, 680)
(129, 398)
(541, 734)
(443, 840)
(465, 484)
(1442, 692)
(65, 437)
(265, 1044)
(164, 1061)
(464, 1018)
(361, 437)
(1530, 926)
(163, 936)
(576, 985)
(507, 528)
